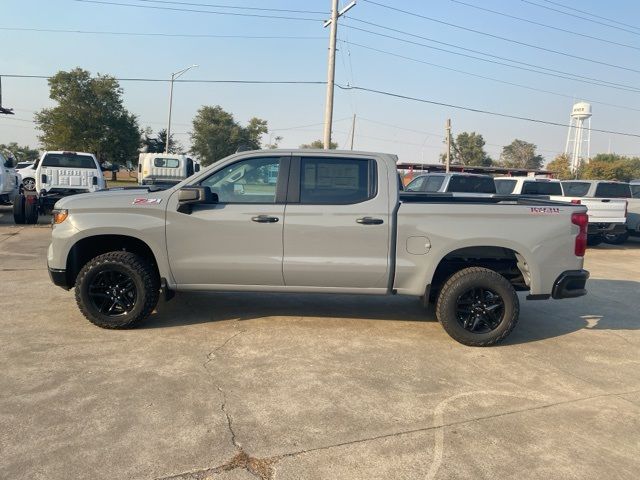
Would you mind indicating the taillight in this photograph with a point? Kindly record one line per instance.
(582, 221)
(575, 201)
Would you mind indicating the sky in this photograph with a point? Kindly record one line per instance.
(400, 53)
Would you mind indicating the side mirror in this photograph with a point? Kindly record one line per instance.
(190, 196)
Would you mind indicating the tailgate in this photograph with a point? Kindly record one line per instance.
(606, 210)
(69, 178)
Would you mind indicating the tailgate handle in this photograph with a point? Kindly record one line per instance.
(370, 221)
(264, 219)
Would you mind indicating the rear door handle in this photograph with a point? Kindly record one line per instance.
(265, 219)
(370, 221)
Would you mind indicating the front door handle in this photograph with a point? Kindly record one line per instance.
(265, 219)
(370, 221)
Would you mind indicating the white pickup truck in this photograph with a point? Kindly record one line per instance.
(315, 221)
(607, 216)
(9, 180)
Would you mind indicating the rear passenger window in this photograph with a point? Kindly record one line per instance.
(462, 184)
(613, 190)
(505, 187)
(541, 188)
(575, 189)
(336, 180)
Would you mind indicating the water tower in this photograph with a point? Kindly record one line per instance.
(578, 146)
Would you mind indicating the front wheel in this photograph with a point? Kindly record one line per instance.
(29, 184)
(18, 209)
(117, 290)
(478, 307)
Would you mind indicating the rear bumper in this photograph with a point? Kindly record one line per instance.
(599, 228)
(59, 277)
(570, 284)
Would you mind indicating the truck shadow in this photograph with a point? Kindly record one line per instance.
(608, 306)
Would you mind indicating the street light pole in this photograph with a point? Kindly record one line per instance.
(173, 77)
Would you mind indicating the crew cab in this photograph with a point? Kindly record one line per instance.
(315, 221)
(452, 183)
(57, 174)
(606, 203)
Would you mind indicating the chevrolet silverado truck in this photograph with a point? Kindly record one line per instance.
(313, 221)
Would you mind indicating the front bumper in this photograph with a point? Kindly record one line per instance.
(601, 228)
(570, 284)
(59, 278)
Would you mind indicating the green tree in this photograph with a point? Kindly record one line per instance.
(561, 167)
(611, 167)
(20, 153)
(521, 154)
(156, 143)
(468, 149)
(216, 134)
(89, 116)
(319, 144)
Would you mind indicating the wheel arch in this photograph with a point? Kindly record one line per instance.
(90, 247)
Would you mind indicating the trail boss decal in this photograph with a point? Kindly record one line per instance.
(544, 210)
(147, 201)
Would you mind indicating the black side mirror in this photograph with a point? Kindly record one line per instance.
(190, 196)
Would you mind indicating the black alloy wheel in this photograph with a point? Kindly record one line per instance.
(113, 293)
(480, 310)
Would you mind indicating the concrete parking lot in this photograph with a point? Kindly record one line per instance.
(231, 386)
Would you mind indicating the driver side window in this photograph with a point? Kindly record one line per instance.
(248, 181)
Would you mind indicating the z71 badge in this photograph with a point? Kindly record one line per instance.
(147, 201)
(545, 210)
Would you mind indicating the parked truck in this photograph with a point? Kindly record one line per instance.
(9, 180)
(165, 169)
(471, 183)
(313, 221)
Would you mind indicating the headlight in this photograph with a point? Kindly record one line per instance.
(59, 216)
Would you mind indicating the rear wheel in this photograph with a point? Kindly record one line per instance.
(18, 210)
(478, 307)
(117, 290)
(29, 184)
(614, 239)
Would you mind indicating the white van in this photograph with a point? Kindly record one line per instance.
(57, 174)
(165, 168)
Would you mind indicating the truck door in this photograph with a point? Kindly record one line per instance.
(237, 241)
(337, 223)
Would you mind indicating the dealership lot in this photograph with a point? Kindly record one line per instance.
(235, 386)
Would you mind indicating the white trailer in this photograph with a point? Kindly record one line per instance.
(164, 168)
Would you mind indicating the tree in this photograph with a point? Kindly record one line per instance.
(216, 134)
(20, 153)
(156, 143)
(89, 117)
(319, 144)
(521, 154)
(272, 145)
(611, 167)
(561, 167)
(468, 149)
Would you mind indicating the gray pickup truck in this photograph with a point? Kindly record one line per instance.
(322, 222)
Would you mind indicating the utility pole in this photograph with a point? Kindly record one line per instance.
(353, 129)
(448, 158)
(173, 77)
(6, 111)
(331, 69)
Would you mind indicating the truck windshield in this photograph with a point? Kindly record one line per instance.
(613, 190)
(68, 160)
(464, 184)
(505, 187)
(575, 189)
(541, 188)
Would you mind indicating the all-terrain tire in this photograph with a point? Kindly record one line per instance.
(143, 277)
(18, 210)
(30, 212)
(460, 283)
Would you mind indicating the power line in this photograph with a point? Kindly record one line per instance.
(191, 10)
(285, 10)
(141, 79)
(552, 27)
(161, 34)
(591, 14)
(477, 110)
(547, 71)
(504, 39)
(505, 82)
(579, 16)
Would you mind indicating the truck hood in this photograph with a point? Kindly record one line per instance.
(115, 199)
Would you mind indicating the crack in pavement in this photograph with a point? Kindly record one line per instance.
(262, 468)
